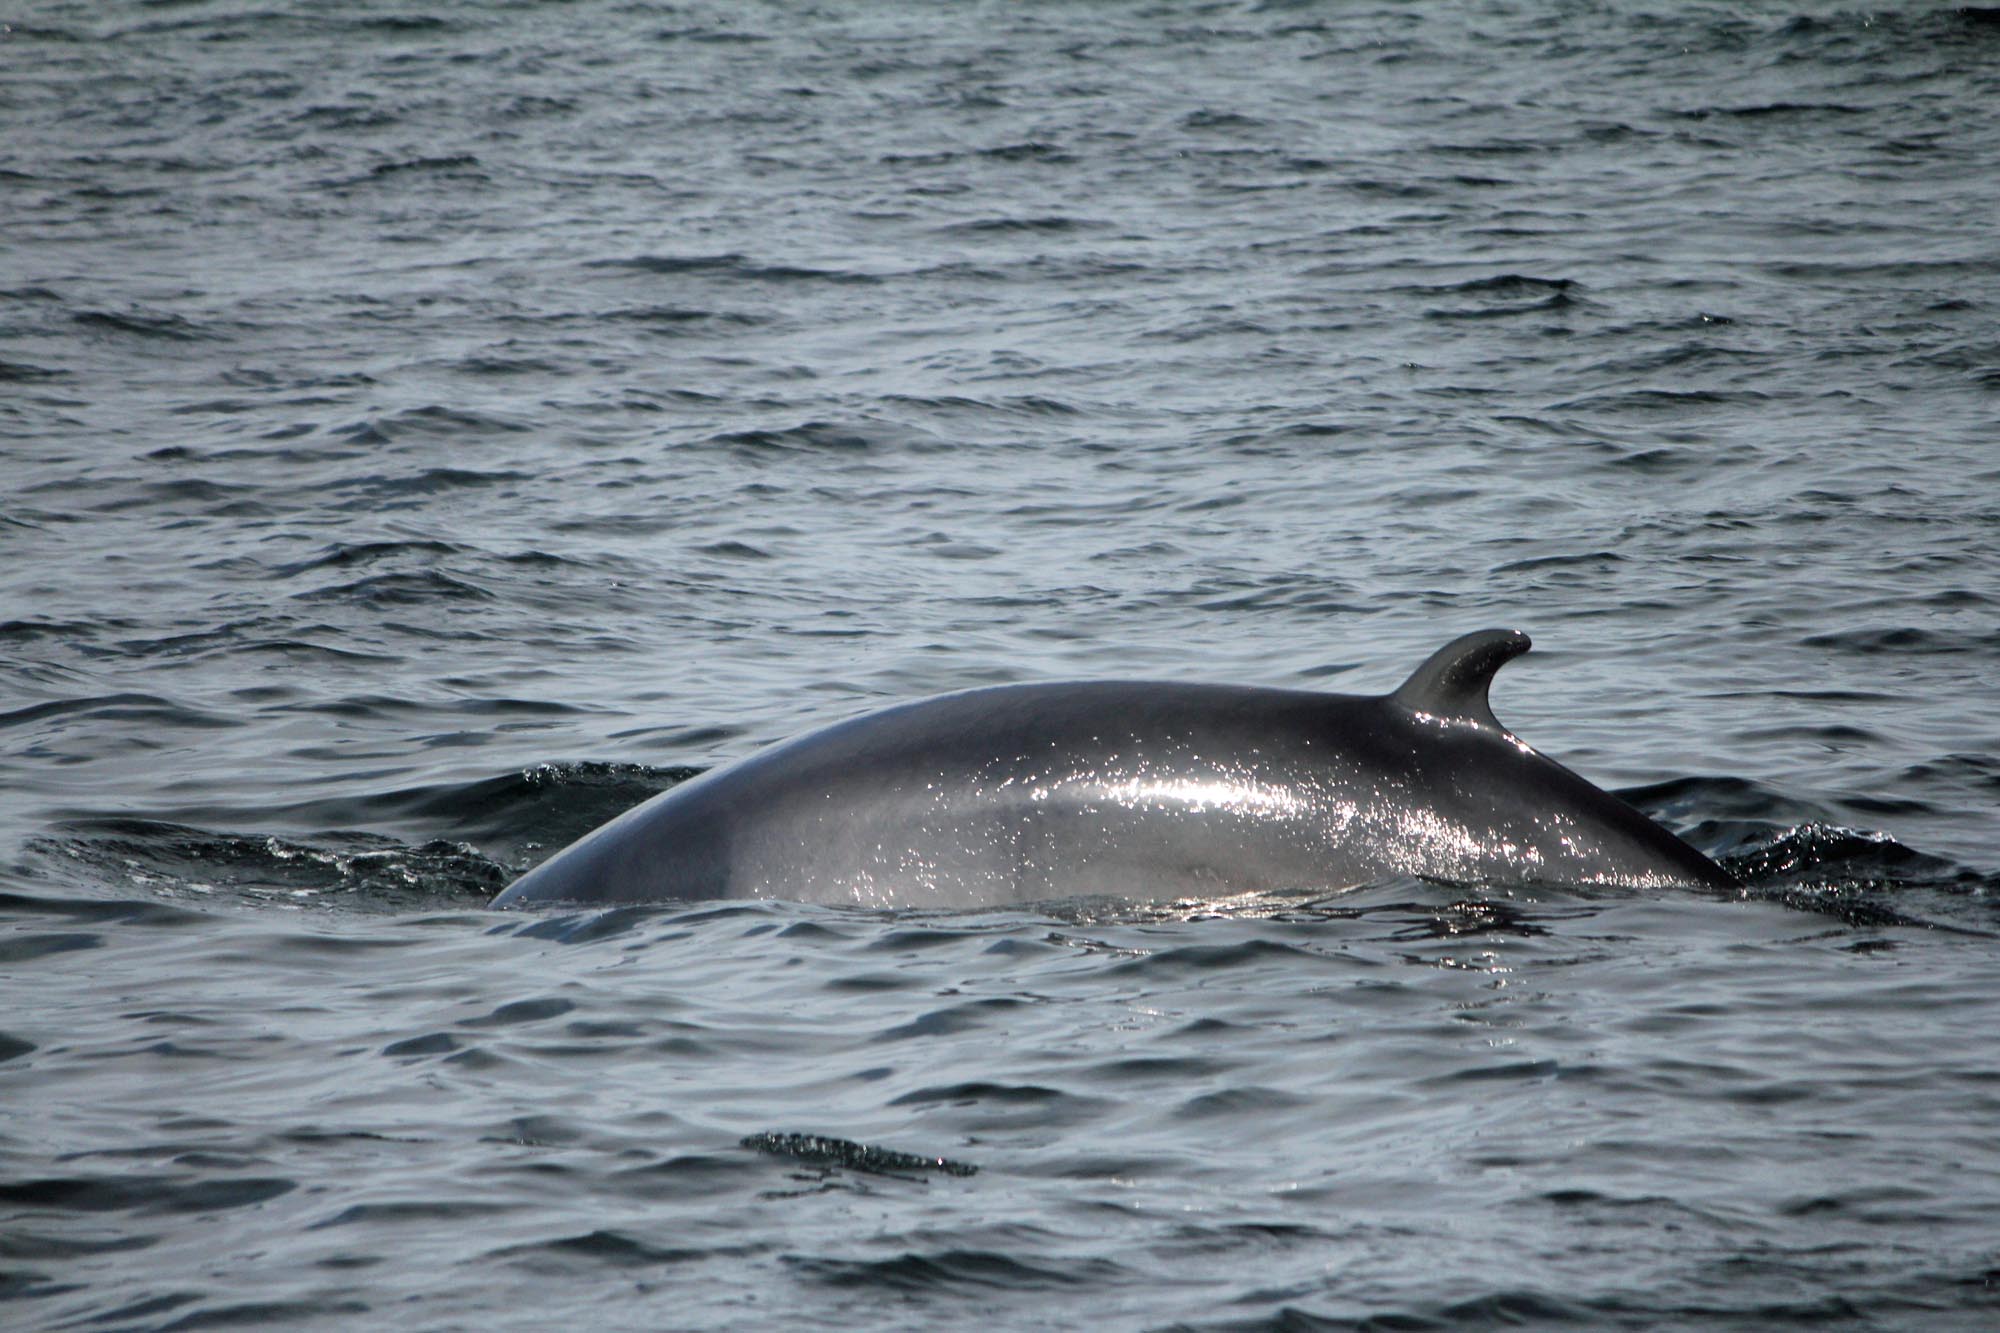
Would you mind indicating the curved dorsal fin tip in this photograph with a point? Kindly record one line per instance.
(1453, 681)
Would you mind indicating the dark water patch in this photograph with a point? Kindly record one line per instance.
(145, 324)
(501, 366)
(22, 372)
(427, 1212)
(618, 1250)
(188, 494)
(1511, 1071)
(1504, 285)
(266, 1314)
(812, 932)
(1680, 801)
(1831, 736)
(343, 555)
(22, 1245)
(966, 1017)
(1978, 770)
(1230, 1103)
(1825, 851)
(968, 1094)
(1905, 640)
(733, 266)
(517, 1012)
(455, 163)
(117, 911)
(1553, 304)
(1202, 959)
(142, 710)
(355, 117)
(976, 1270)
(546, 806)
(363, 869)
(734, 550)
(28, 948)
(1564, 561)
(1156, 1069)
(1658, 400)
(1777, 110)
(914, 939)
(688, 1175)
(809, 437)
(1033, 226)
(428, 587)
(432, 422)
(1027, 150)
(167, 1193)
(581, 928)
(682, 321)
(712, 36)
(431, 1043)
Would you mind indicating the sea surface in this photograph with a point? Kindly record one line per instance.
(429, 428)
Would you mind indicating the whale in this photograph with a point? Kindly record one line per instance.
(1143, 790)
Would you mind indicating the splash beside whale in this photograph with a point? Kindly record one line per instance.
(1142, 790)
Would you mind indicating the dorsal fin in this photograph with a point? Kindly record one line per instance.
(1453, 681)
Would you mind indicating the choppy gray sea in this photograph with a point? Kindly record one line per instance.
(429, 428)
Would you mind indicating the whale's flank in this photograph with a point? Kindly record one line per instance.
(1139, 789)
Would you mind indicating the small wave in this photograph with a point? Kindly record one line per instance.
(20, 372)
(451, 163)
(1657, 400)
(712, 36)
(679, 321)
(144, 324)
(342, 555)
(1766, 110)
(1509, 284)
(28, 946)
(399, 590)
(1595, 560)
(1045, 226)
(1977, 770)
(976, 1269)
(146, 710)
(362, 117)
(30, 631)
(1507, 295)
(1027, 150)
(540, 808)
(435, 422)
(180, 1192)
(365, 869)
(816, 436)
(1905, 639)
(617, 1250)
(1024, 405)
(1830, 851)
(730, 265)
(464, 166)
(968, 1094)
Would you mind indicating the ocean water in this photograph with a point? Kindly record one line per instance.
(427, 429)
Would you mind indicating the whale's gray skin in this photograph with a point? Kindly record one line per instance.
(1144, 790)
